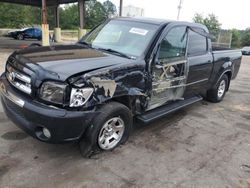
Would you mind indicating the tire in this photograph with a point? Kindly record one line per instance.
(34, 45)
(217, 93)
(20, 37)
(108, 130)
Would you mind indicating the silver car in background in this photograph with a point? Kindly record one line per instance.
(246, 50)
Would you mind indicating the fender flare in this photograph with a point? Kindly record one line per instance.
(229, 79)
(225, 68)
(226, 71)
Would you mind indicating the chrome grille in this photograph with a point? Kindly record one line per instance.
(18, 80)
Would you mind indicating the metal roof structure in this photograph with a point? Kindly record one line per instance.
(39, 2)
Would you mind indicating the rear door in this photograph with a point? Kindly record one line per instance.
(29, 33)
(200, 60)
(37, 33)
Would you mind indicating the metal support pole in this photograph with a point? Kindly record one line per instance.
(57, 19)
(81, 6)
(218, 39)
(230, 41)
(121, 5)
(179, 9)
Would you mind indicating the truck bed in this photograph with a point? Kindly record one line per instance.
(220, 48)
(223, 55)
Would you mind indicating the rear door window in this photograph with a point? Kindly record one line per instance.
(37, 32)
(197, 44)
(29, 32)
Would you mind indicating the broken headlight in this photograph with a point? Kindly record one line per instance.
(53, 92)
(79, 97)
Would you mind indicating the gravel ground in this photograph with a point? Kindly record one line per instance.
(204, 145)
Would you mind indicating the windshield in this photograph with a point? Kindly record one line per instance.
(127, 37)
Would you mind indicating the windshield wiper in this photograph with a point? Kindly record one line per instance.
(85, 43)
(116, 52)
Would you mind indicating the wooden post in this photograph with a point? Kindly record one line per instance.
(81, 7)
(44, 12)
(45, 26)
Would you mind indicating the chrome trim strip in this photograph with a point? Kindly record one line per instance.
(19, 75)
(196, 82)
(11, 96)
(23, 77)
(18, 85)
(181, 85)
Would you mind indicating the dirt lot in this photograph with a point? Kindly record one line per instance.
(204, 145)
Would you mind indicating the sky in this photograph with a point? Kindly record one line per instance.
(230, 13)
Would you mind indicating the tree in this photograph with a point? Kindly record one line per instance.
(236, 38)
(18, 16)
(110, 9)
(211, 21)
(198, 18)
(245, 40)
(95, 13)
(12, 15)
(69, 17)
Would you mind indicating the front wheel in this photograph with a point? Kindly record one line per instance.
(217, 93)
(109, 129)
(20, 37)
(111, 133)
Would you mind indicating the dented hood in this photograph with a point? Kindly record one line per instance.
(68, 60)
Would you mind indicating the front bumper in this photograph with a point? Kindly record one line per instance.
(32, 117)
(245, 53)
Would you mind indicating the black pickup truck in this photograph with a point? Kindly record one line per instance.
(124, 69)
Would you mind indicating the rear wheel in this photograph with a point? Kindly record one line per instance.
(34, 45)
(109, 129)
(217, 93)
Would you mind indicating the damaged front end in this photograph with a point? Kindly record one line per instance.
(126, 84)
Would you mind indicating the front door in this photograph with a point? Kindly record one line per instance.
(170, 69)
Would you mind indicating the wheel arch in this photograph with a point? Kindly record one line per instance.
(125, 100)
(88, 141)
(228, 73)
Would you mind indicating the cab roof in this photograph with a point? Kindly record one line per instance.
(154, 21)
(161, 22)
